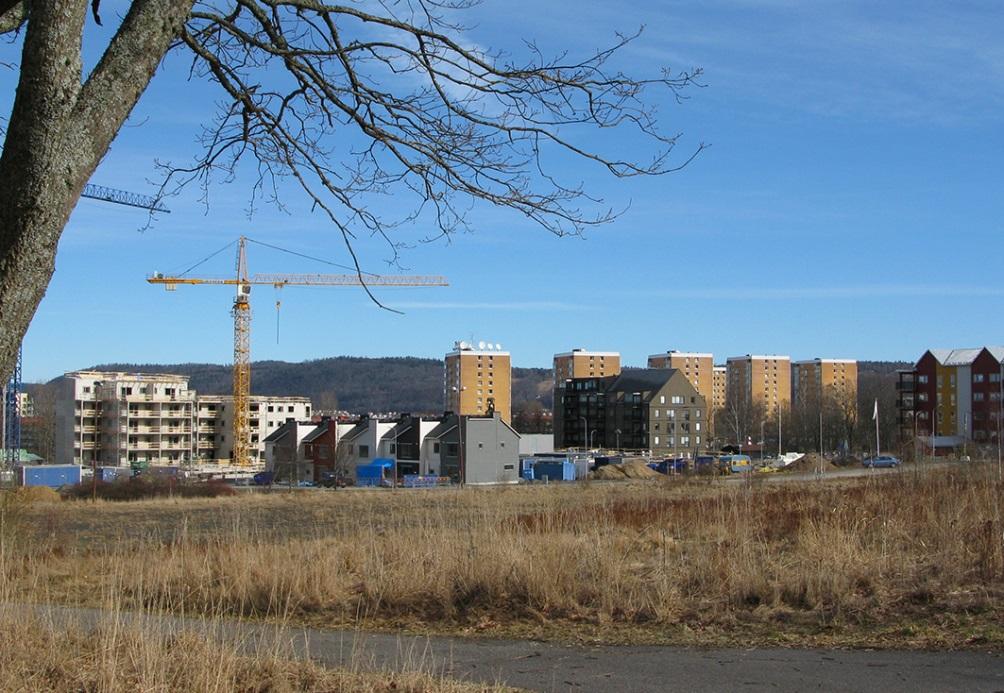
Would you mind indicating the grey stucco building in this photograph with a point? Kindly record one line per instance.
(477, 449)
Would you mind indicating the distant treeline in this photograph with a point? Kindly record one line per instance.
(403, 384)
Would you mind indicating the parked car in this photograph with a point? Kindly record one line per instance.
(877, 461)
(334, 480)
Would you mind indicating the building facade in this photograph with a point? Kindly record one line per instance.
(117, 419)
(834, 378)
(215, 416)
(953, 393)
(719, 389)
(655, 409)
(475, 449)
(478, 381)
(580, 363)
(760, 379)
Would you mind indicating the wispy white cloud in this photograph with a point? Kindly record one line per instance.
(832, 292)
(474, 305)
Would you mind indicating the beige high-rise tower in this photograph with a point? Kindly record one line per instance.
(697, 367)
(580, 363)
(477, 377)
(837, 378)
(720, 388)
(761, 379)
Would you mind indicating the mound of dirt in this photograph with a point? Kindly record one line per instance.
(37, 494)
(634, 469)
(811, 462)
(640, 470)
(608, 472)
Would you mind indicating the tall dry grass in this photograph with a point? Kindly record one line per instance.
(124, 646)
(816, 555)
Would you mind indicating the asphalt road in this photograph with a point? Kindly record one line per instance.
(547, 667)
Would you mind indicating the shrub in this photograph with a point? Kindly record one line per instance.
(141, 487)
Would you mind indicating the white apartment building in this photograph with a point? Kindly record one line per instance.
(215, 418)
(115, 419)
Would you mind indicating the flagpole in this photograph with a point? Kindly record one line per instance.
(875, 416)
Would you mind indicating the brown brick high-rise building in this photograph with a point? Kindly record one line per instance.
(477, 378)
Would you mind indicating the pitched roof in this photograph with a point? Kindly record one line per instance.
(319, 431)
(639, 379)
(961, 357)
(279, 433)
(444, 427)
(997, 352)
(356, 430)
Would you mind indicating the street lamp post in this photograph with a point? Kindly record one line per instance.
(592, 439)
(617, 433)
(762, 442)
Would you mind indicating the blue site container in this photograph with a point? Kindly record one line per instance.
(554, 471)
(51, 475)
(113, 473)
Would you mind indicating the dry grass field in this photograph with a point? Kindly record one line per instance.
(914, 559)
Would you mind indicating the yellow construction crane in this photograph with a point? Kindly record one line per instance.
(242, 319)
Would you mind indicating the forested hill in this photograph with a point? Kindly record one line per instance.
(355, 384)
(402, 384)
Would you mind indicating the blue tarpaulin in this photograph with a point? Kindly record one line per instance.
(372, 473)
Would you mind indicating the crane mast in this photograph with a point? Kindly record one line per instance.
(241, 312)
(242, 359)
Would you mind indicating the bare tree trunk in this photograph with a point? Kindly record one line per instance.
(59, 129)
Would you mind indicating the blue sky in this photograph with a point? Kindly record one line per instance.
(854, 148)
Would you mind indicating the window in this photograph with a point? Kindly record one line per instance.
(435, 448)
(697, 426)
(508, 467)
(87, 389)
(677, 399)
(977, 377)
(922, 396)
(364, 451)
(655, 440)
(481, 445)
(662, 399)
(977, 396)
(684, 441)
(271, 408)
(995, 377)
(697, 440)
(922, 379)
(393, 448)
(655, 413)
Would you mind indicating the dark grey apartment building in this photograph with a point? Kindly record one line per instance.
(654, 409)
